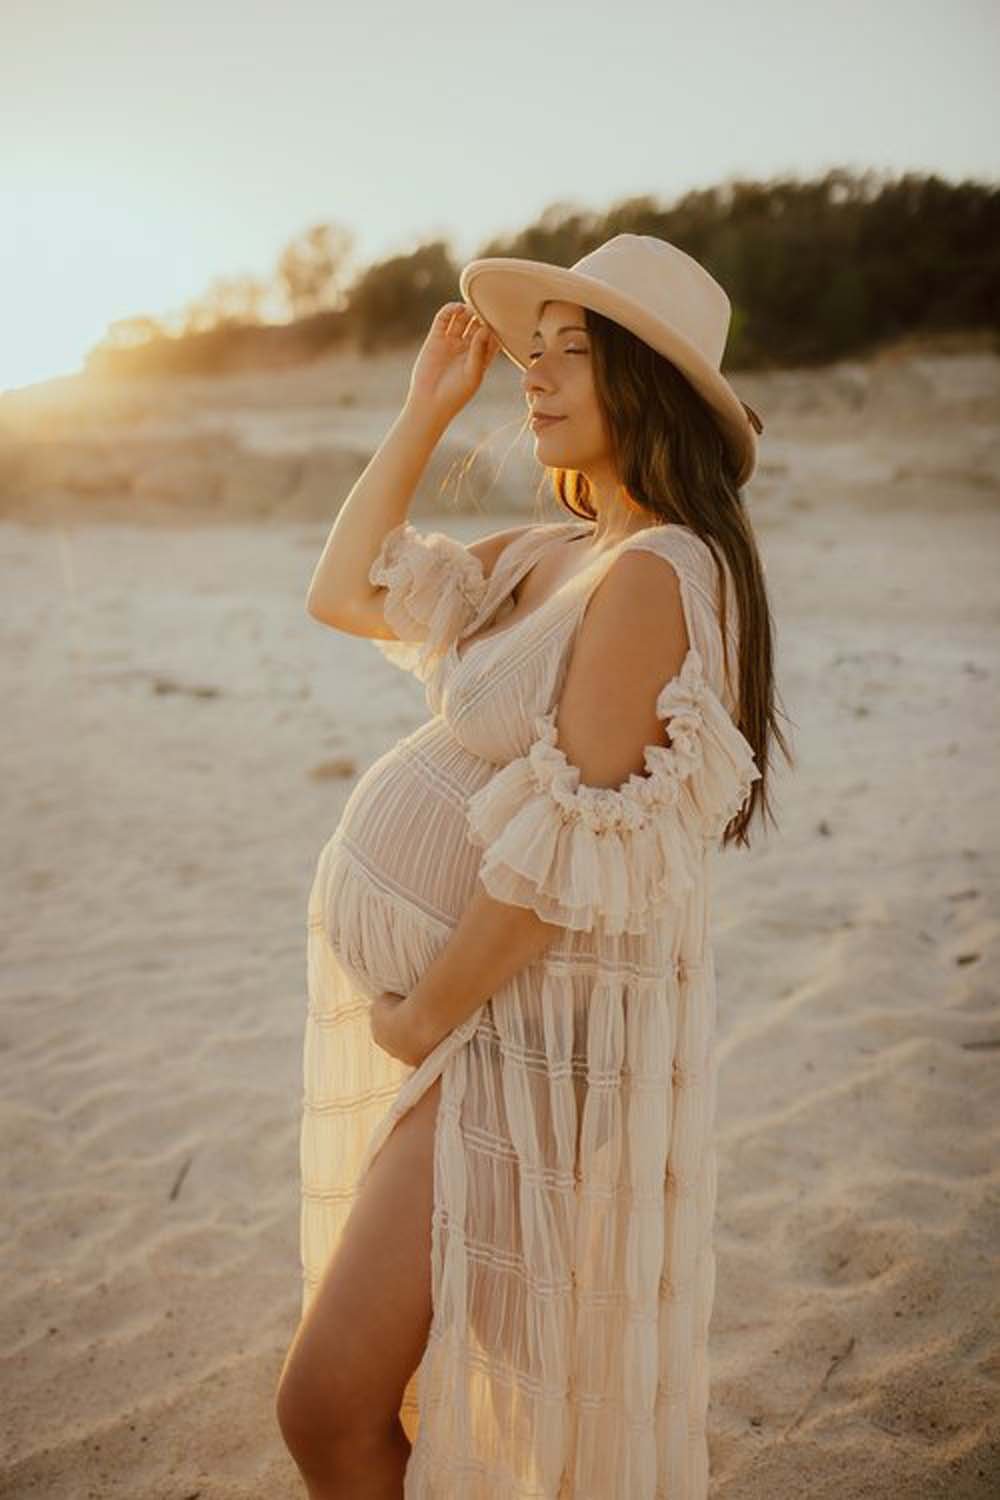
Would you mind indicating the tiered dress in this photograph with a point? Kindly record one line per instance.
(574, 1171)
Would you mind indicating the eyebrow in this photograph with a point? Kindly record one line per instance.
(566, 328)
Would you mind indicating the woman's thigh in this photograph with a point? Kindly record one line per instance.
(365, 1330)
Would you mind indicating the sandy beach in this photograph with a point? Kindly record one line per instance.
(179, 740)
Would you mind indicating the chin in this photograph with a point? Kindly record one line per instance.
(548, 443)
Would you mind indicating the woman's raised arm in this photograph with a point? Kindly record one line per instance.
(448, 371)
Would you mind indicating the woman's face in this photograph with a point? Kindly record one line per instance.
(559, 381)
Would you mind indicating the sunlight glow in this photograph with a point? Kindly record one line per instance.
(79, 255)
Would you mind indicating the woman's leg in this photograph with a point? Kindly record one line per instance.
(365, 1331)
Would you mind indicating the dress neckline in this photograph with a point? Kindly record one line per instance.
(482, 640)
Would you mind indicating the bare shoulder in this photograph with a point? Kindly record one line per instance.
(631, 640)
(689, 553)
(636, 611)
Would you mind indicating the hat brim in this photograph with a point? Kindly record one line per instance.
(506, 294)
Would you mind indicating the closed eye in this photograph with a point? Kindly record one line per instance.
(565, 351)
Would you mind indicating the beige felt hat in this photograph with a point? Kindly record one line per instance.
(648, 286)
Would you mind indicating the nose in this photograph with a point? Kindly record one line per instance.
(534, 378)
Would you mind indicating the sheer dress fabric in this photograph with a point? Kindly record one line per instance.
(574, 1172)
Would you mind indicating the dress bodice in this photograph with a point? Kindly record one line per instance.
(492, 693)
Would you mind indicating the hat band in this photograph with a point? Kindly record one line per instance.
(755, 421)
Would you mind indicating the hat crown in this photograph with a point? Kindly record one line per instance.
(666, 282)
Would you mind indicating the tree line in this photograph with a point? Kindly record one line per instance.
(816, 270)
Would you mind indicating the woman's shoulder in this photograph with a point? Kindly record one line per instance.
(698, 571)
(690, 553)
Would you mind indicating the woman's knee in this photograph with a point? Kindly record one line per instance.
(310, 1415)
(330, 1433)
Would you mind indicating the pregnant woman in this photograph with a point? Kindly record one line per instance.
(508, 1176)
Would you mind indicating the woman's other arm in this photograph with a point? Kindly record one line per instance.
(632, 639)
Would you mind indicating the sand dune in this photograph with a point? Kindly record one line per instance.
(289, 445)
(179, 734)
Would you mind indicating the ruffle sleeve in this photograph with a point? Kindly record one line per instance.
(434, 587)
(609, 857)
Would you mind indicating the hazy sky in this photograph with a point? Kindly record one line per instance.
(149, 148)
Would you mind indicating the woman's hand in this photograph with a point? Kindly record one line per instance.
(394, 1030)
(450, 367)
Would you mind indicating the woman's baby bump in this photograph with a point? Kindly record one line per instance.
(399, 868)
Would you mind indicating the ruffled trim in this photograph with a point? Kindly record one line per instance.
(585, 856)
(435, 586)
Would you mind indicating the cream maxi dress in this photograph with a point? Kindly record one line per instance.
(574, 1172)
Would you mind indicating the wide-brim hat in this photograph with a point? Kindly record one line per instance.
(652, 288)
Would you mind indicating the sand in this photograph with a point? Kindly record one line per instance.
(179, 740)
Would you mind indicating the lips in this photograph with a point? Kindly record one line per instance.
(542, 421)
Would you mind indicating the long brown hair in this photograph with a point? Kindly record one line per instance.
(674, 465)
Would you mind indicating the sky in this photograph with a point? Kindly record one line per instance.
(151, 148)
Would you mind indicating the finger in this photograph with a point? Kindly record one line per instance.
(445, 316)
